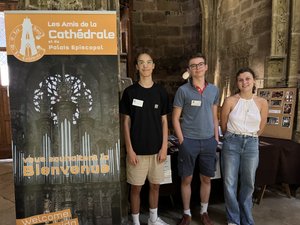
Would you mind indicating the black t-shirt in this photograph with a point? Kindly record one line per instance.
(145, 106)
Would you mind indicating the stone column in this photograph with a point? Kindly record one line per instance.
(276, 63)
(294, 60)
(209, 10)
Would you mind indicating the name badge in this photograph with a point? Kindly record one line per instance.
(137, 102)
(196, 103)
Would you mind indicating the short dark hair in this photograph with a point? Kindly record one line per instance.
(244, 70)
(141, 51)
(196, 55)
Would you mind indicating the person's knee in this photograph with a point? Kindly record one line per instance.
(135, 190)
(154, 187)
(205, 180)
(186, 181)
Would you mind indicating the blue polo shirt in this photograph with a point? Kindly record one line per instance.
(197, 116)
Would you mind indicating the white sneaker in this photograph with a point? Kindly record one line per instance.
(231, 224)
(159, 221)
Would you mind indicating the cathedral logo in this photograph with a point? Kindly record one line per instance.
(24, 41)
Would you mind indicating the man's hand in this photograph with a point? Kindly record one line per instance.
(162, 156)
(133, 158)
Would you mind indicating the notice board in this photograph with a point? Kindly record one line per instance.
(281, 114)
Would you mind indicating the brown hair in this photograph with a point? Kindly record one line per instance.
(196, 55)
(141, 51)
(249, 70)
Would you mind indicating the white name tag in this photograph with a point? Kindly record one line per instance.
(138, 103)
(196, 103)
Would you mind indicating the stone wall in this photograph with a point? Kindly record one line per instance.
(171, 28)
(244, 39)
(231, 33)
(67, 5)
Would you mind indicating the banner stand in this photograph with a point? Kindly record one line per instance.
(63, 68)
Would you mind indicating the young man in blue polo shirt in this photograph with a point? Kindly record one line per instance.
(195, 122)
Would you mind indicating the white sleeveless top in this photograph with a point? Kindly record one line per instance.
(244, 118)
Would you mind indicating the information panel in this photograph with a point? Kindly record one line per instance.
(63, 69)
(281, 115)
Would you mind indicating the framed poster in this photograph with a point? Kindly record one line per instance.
(282, 103)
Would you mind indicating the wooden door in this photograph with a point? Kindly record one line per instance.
(5, 128)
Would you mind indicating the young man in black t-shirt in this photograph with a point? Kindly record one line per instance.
(145, 106)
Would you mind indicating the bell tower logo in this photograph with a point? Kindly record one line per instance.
(24, 41)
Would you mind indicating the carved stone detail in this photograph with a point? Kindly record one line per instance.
(275, 69)
(67, 5)
(280, 27)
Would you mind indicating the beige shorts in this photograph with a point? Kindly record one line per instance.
(147, 167)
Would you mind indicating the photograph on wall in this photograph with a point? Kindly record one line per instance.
(273, 120)
(65, 120)
(264, 94)
(286, 121)
(275, 103)
(287, 108)
(289, 95)
(277, 94)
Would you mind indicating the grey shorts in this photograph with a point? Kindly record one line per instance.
(190, 149)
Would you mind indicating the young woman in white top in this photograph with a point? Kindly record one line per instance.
(243, 118)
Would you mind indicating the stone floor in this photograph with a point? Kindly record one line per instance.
(274, 209)
(7, 196)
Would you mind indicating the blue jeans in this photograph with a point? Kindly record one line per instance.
(239, 160)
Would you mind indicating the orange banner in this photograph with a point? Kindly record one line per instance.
(67, 222)
(32, 34)
(45, 218)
